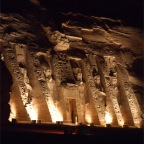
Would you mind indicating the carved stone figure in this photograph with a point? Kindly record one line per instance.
(79, 77)
(51, 84)
(81, 86)
(62, 43)
(100, 91)
(98, 83)
(48, 73)
(59, 39)
(81, 89)
(111, 64)
(28, 87)
(45, 64)
(114, 81)
(20, 50)
(40, 75)
(20, 53)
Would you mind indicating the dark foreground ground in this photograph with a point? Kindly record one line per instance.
(64, 134)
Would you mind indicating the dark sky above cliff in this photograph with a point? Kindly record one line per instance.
(129, 10)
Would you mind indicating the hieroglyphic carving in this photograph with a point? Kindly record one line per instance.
(111, 86)
(37, 69)
(44, 76)
(40, 74)
(20, 50)
(15, 69)
(62, 68)
(93, 90)
(12, 57)
(130, 96)
(27, 84)
(64, 76)
(100, 92)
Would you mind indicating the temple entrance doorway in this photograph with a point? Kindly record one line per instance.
(73, 110)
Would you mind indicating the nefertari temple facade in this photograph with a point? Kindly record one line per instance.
(72, 85)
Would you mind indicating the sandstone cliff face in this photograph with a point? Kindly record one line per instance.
(62, 61)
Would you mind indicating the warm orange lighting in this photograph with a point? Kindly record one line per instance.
(59, 116)
(88, 124)
(76, 120)
(13, 111)
(88, 118)
(137, 124)
(54, 111)
(12, 114)
(108, 118)
(121, 123)
(32, 112)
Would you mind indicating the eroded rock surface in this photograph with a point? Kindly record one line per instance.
(63, 65)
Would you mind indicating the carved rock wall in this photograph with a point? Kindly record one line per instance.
(75, 74)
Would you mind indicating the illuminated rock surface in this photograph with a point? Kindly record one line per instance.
(54, 74)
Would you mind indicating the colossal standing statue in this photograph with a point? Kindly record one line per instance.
(20, 50)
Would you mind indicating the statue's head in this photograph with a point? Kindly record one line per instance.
(48, 72)
(46, 68)
(97, 79)
(114, 81)
(79, 76)
(113, 63)
(27, 80)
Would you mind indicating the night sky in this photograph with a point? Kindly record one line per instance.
(130, 11)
